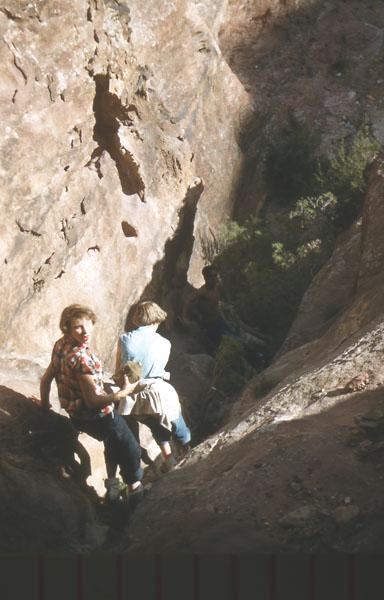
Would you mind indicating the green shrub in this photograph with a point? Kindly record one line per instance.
(266, 266)
(312, 208)
(264, 278)
(231, 369)
(344, 175)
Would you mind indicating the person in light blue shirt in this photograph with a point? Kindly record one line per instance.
(144, 345)
(151, 350)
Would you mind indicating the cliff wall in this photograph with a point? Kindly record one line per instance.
(116, 116)
(122, 125)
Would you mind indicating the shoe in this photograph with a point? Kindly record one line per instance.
(138, 494)
(169, 463)
(115, 488)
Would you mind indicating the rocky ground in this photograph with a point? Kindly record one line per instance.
(311, 484)
(45, 504)
(298, 465)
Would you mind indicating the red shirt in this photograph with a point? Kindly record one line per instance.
(69, 362)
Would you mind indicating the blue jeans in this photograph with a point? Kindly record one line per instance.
(180, 431)
(120, 445)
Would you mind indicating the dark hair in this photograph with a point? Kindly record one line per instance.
(208, 271)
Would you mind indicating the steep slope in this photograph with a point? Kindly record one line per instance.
(120, 154)
(45, 506)
(319, 62)
(292, 470)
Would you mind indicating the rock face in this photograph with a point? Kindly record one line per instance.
(317, 62)
(107, 110)
(293, 423)
(351, 342)
(42, 507)
(119, 146)
(352, 280)
(119, 155)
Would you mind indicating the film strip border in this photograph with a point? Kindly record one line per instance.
(192, 577)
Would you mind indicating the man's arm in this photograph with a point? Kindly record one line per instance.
(45, 387)
(94, 400)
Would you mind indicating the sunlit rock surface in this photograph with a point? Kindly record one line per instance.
(119, 122)
(292, 445)
(119, 155)
(116, 115)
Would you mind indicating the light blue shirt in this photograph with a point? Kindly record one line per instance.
(147, 347)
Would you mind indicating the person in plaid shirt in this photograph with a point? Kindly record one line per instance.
(69, 359)
(78, 375)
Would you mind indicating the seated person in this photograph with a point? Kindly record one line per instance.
(203, 307)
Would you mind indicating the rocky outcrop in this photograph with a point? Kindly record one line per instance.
(354, 271)
(119, 129)
(351, 342)
(293, 423)
(119, 146)
(45, 505)
(318, 62)
(295, 486)
(116, 115)
(120, 154)
(329, 293)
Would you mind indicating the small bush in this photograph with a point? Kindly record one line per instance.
(231, 369)
(266, 266)
(264, 278)
(343, 175)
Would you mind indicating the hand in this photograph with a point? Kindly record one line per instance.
(126, 386)
(117, 377)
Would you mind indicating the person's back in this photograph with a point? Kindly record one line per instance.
(147, 347)
(157, 405)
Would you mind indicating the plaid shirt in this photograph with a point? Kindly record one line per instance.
(69, 362)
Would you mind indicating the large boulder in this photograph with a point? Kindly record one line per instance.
(45, 504)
